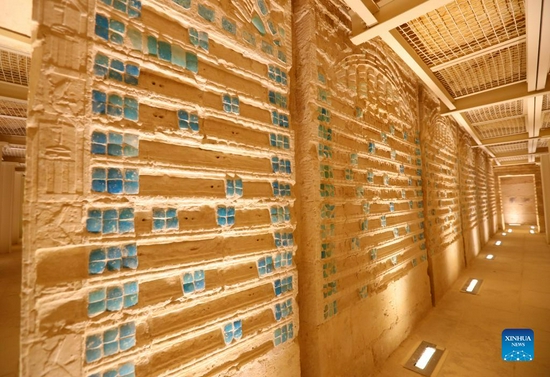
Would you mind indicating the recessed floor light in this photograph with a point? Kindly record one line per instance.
(424, 359)
(532, 231)
(504, 233)
(472, 286)
(498, 243)
(509, 230)
(533, 227)
(490, 256)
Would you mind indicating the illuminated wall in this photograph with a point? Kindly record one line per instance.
(160, 194)
(175, 208)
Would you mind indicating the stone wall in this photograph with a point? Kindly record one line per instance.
(362, 261)
(468, 196)
(519, 170)
(439, 138)
(519, 204)
(159, 209)
(172, 200)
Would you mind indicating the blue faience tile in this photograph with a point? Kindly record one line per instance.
(206, 13)
(93, 225)
(97, 262)
(271, 27)
(131, 108)
(178, 56)
(127, 370)
(192, 62)
(127, 213)
(229, 26)
(132, 70)
(263, 7)
(128, 329)
(116, 26)
(101, 65)
(93, 348)
(110, 348)
(136, 39)
(258, 24)
(127, 343)
(114, 107)
(131, 145)
(165, 51)
(203, 40)
(194, 36)
(237, 329)
(98, 102)
(126, 226)
(119, 5)
(114, 299)
(110, 373)
(184, 3)
(228, 333)
(102, 26)
(172, 223)
(151, 45)
(226, 101)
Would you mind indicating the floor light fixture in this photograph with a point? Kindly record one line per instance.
(424, 359)
(532, 231)
(490, 256)
(504, 233)
(498, 243)
(510, 230)
(472, 286)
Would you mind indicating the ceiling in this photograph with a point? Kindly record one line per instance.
(15, 50)
(487, 61)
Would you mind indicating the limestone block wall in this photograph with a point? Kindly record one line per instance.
(468, 196)
(482, 198)
(519, 170)
(159, 210)
(439, 139)
(519, 200)
(492, 198)
(362, 261)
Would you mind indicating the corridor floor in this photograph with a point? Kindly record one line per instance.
(515, 294)
(10, 302)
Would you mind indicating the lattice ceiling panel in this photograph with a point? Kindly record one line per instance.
(512, 147)
(504, 127)
(15, 127)
(464, 27)
(545, 102)
(14, 68)
(13, 118)
(488, 114)
(505, 66)
(512, 160)
(13, 109)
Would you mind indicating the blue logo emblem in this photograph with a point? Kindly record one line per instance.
(518, 345)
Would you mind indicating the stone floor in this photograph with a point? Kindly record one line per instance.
(515, 294)
(10, 302)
